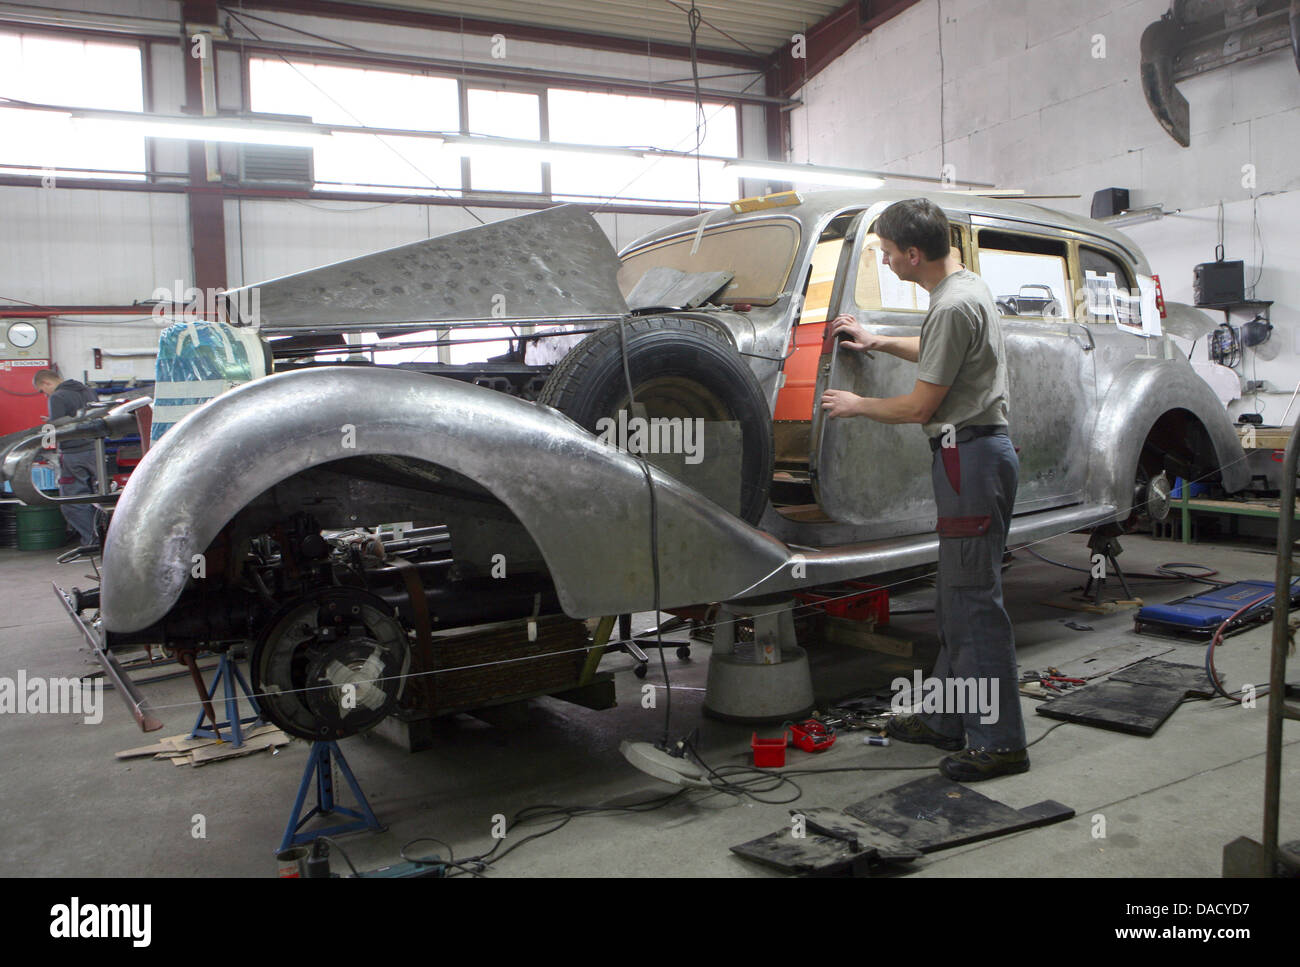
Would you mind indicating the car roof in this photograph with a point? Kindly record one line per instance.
(817, 205)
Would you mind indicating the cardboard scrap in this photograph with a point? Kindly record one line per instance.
(183, 751)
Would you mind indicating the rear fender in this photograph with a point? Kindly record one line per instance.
(584, 504)
(1143, 392)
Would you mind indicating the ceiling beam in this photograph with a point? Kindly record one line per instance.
(828, 38)
(431, 20)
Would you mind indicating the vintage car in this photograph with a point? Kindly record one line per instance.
(254, 521)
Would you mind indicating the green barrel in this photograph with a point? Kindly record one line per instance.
(41, 528)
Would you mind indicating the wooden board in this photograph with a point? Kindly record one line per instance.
(1086, 604)
(1264, 437)
(1246, 507)
(862, 634)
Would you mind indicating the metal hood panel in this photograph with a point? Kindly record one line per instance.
(555, 263)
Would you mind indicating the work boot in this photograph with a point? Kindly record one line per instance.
(975, 765)
(910, 728)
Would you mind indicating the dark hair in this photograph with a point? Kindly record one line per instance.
(916, 223)
(42, 375)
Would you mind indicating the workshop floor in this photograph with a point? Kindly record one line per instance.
(1170, 802)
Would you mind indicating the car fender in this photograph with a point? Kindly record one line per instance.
(584, 503)
(1140, 394)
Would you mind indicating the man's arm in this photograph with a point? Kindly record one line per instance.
(904, 347)
(916, 407)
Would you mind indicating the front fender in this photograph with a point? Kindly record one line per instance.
(584, 504)
(1145, 390)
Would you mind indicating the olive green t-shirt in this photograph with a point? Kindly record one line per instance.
(961, 348)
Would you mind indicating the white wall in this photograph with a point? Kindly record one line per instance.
(1026, 104)
(1174, 243)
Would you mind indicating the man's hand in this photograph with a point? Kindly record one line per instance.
(838, 402)
(858, 336)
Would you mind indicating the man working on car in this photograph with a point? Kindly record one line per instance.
(78, 463)
(960, 400)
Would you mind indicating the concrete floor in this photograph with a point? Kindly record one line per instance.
(1170, 802)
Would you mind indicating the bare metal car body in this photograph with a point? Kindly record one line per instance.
(1095, 411)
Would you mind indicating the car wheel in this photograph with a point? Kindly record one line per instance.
(680, 369)
(1151, 502)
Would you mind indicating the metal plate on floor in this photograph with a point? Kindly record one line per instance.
(1116, 705)
(832, 843)
(1187, 679)
(936, 813)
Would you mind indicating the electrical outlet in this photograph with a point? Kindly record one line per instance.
(1254, 386)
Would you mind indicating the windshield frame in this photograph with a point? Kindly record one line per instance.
(796, 250)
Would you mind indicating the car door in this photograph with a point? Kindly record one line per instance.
(864, 472)
(1050, 369)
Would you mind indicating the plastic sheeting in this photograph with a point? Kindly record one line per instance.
(197, 361)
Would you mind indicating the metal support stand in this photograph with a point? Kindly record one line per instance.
(319, 768)
(765, 680)
(1105, 542)
(1244, 856)
(228, 673)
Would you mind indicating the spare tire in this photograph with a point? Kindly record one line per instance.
(680, 368)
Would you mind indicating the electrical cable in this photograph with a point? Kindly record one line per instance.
(1164, 572)
(693, 19)
(334, 845)
(451, 854)
(758, 782)
(1217, 640)
(654, 539)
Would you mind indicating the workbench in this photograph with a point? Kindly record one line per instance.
(1268, 509)
(1252, 438)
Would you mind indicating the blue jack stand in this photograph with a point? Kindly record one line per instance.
(229, 673)
(318, 763)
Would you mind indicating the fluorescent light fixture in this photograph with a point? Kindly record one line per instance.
(1137, 216)
(473, 146)
(804, 174)
(242, 131)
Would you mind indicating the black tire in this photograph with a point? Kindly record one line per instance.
(679, 368)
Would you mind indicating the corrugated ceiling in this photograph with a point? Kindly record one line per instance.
(758, 26)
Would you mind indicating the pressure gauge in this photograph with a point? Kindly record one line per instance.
(22, 335)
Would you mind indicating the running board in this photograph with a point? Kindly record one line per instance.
(812, 566)
(113, 670)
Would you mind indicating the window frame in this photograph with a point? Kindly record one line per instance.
(147, 172)
(959, 237)
(1130, 275)
(1067, 256)
(543, 134)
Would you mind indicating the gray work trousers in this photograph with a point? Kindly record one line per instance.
(77, 471)
(975, 489)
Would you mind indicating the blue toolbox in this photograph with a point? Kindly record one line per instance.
(1199, 615)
